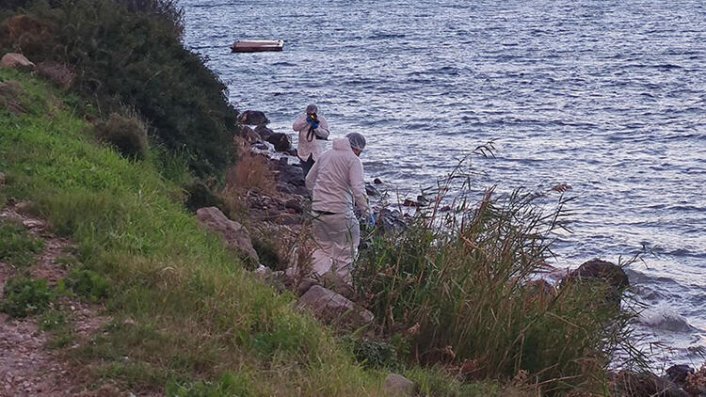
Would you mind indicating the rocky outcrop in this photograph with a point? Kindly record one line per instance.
(234, 234)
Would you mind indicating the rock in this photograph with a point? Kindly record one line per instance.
(264, 132)
(644, 384)
(333, 308)
(249, 135)
(280, 141)
(398, 385)
(377, 181)
(235, 235)
(371, 190)
(58, 73)
(253, 117)
(601, 271)
(16, 61)
(679, 373)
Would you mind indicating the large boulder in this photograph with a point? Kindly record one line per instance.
(399, 386)
(16, 61)
(601, 271)
(253, 117)
(645, 384)
(234, 234)
(280, 141)
(264, 132)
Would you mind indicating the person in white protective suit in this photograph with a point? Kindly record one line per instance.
(337, 187)
(312, 129)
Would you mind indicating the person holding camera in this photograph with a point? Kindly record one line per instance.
(312, 128)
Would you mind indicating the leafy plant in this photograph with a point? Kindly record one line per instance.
(24, 297)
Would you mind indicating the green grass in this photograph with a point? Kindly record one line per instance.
(184, 310)
(17, 247)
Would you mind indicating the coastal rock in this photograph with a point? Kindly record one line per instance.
(13, 60)
(333, 308)
(645, 384)
(234, 234)
(371, 190)
(679, 373)
(253, 117)
(280, 141)
(597, 270)
(263, 132)
(249, 135)
(399, 386)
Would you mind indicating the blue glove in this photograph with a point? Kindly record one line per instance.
(373, 220)
(314, 125)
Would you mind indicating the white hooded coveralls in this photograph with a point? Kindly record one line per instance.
(336, 184)
(310, 145)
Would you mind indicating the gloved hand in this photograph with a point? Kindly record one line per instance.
(372, 221)
(314, 125)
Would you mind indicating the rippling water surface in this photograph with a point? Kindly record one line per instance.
(608, 97)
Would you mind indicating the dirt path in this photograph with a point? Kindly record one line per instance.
(28, 367)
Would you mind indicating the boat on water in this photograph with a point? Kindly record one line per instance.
(257, 45)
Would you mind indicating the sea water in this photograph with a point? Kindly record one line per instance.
(606, 97)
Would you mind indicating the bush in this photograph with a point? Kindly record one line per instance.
(129, 52)
(227, 385)
(24, 297)
(88, 284)
(127, 134)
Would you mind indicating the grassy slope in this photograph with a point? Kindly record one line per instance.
(193, 313)
(185, 314)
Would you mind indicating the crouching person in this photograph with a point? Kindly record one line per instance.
(337, 188)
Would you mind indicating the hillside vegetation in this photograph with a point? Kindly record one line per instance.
(106, 147)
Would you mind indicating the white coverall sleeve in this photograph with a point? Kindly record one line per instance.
(323, 130)
(358, 187)
(310, 180)
(299, 123)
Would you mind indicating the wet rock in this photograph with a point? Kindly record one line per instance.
(377, 181)
(249, 135)
(253, 117)
(371, 190)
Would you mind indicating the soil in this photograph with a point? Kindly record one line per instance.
(28, 365)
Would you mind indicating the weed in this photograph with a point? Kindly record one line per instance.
(228, 385)
(88, 284)
(24, 297)
(17, 247)
(127, 133)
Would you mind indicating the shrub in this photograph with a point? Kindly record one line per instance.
(127, 134)
(227, 385)
(129, 52)
(24, 297)
(88, 284)
(17, 247)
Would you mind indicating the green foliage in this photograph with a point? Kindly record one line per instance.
(88, 284)
(25, 297)
(129, 52)
(229, 384)
(127, 134)
(17, 247)
(375, 354)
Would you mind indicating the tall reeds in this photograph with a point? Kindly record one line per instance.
(462, 285)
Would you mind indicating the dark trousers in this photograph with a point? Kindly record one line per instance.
(306, 165)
